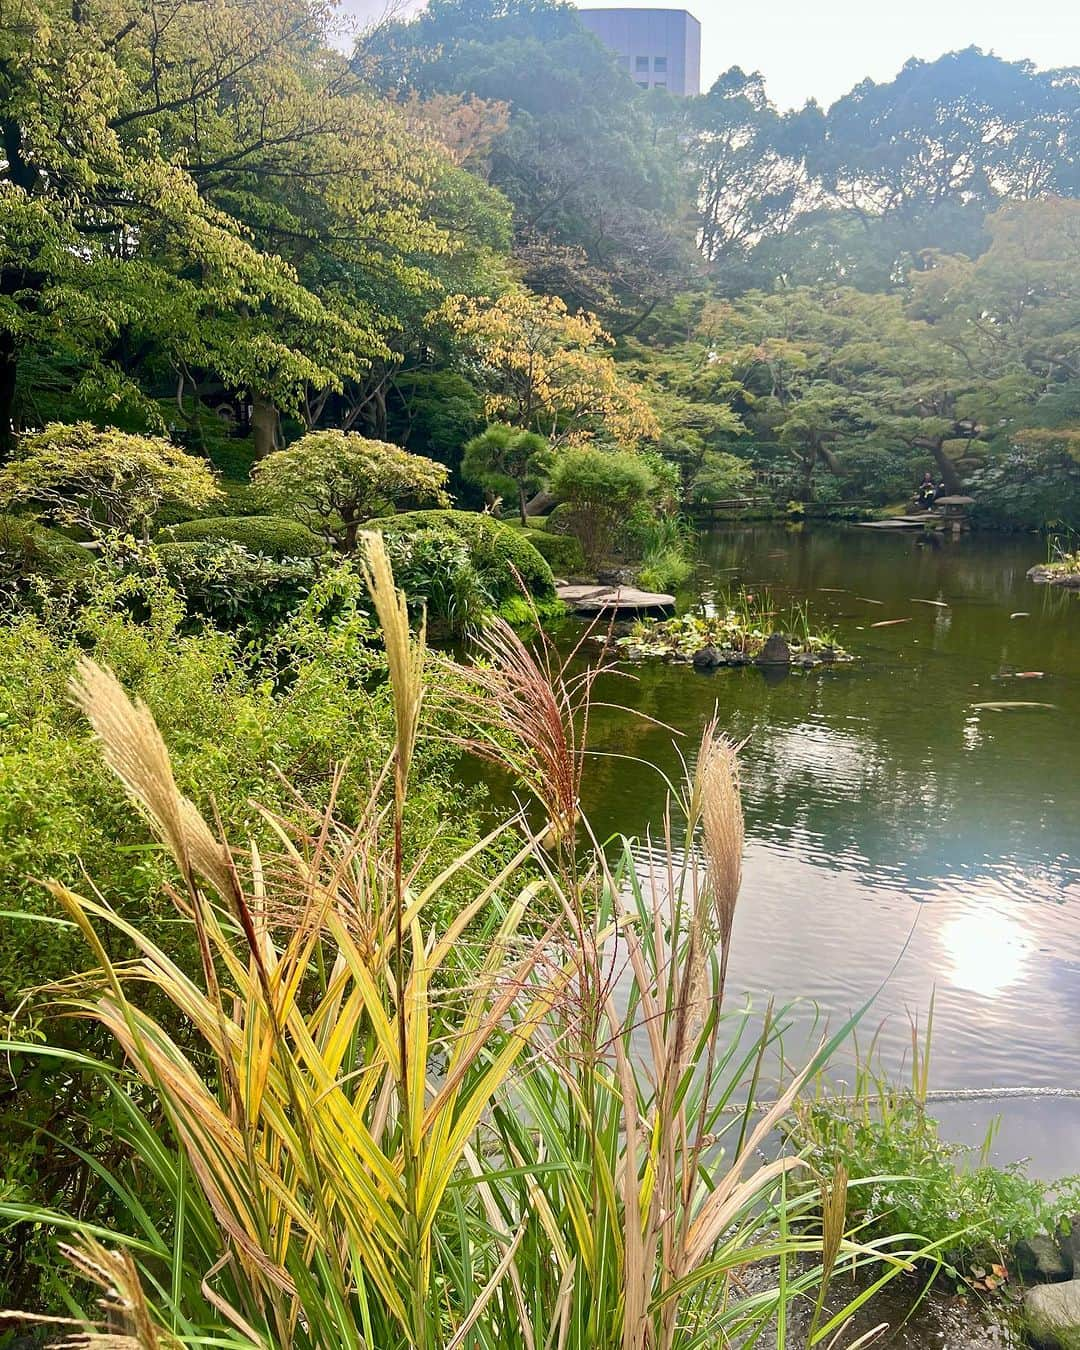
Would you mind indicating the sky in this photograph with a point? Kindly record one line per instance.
(821, 48)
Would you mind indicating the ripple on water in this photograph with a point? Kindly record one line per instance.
(898, 841)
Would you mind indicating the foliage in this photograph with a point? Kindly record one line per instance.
(333, 481)
(274, 536)
(29, 550)
(601, 488)
(664, 544)
(410, 1210)
(504, 460)
(562, 552)
(914, 1181)
(720, 476)
(463, 564)
(739, 625)
(232, 587)
(1027, 486)
(594, 174)
(251, 221)
(103, 480)
(236, 720)
(548, 370)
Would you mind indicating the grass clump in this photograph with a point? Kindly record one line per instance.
(368, 1118)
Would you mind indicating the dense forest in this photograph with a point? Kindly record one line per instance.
(217, 227)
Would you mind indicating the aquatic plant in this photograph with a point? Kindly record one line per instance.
(737, 624)
(911, 1179)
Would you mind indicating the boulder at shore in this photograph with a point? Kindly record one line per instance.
(776, 652)
(1052, 1314)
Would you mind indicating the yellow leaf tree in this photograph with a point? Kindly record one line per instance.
(549, 370)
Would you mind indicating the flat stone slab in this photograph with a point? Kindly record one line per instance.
(593, 599)
(898, 523)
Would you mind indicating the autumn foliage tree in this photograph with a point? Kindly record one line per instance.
(550, 371)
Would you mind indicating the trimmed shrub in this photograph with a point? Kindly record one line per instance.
(562, 552)
(273, 536)
(30, 550)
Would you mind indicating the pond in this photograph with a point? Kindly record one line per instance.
(898, 838)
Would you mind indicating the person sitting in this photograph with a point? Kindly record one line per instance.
(926, 492)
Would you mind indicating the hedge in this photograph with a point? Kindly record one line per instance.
(272, 536)
(563, 552)
(497, 551)
(28, 549)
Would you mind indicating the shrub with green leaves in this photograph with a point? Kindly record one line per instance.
(332, 481)
(429, 548)
(273, 536)
(29, 550)
(233, 587)
(103, 480)
(600, 489)
(562, 552)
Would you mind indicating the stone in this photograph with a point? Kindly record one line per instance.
(1052, 1314)
(612, 599)
(708, 658)
(1070, 1245)
(776, 652)
(1041, 1256)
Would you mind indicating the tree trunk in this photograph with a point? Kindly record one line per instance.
(264, 425)
(521, 504)
(947, 469)
(541, 504)
(8, 370)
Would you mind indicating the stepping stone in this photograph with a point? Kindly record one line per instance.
(612, 599)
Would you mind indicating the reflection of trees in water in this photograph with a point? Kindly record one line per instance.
(883, 761)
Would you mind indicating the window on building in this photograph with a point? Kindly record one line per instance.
(643, 84)
(641, 63)
(660, 65)
(659, 84)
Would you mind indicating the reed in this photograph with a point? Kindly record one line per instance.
(364, 1124)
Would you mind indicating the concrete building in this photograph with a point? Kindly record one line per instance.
(661, 48)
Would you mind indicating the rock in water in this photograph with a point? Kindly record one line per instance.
(707, 658)
(1041, 1256)
(1052, 1313)
(776, 652)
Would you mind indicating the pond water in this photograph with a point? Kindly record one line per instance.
(896, 835)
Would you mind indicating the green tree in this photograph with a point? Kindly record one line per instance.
(333, 481)
(601, 489)
(503, 459)
(103, 480)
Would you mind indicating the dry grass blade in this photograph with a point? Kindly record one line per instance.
(525, 713)
(135, 751)
(127, 1323)
(717, 798)
(405, 657)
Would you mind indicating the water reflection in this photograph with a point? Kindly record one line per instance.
(986, 951)
(895, 837)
